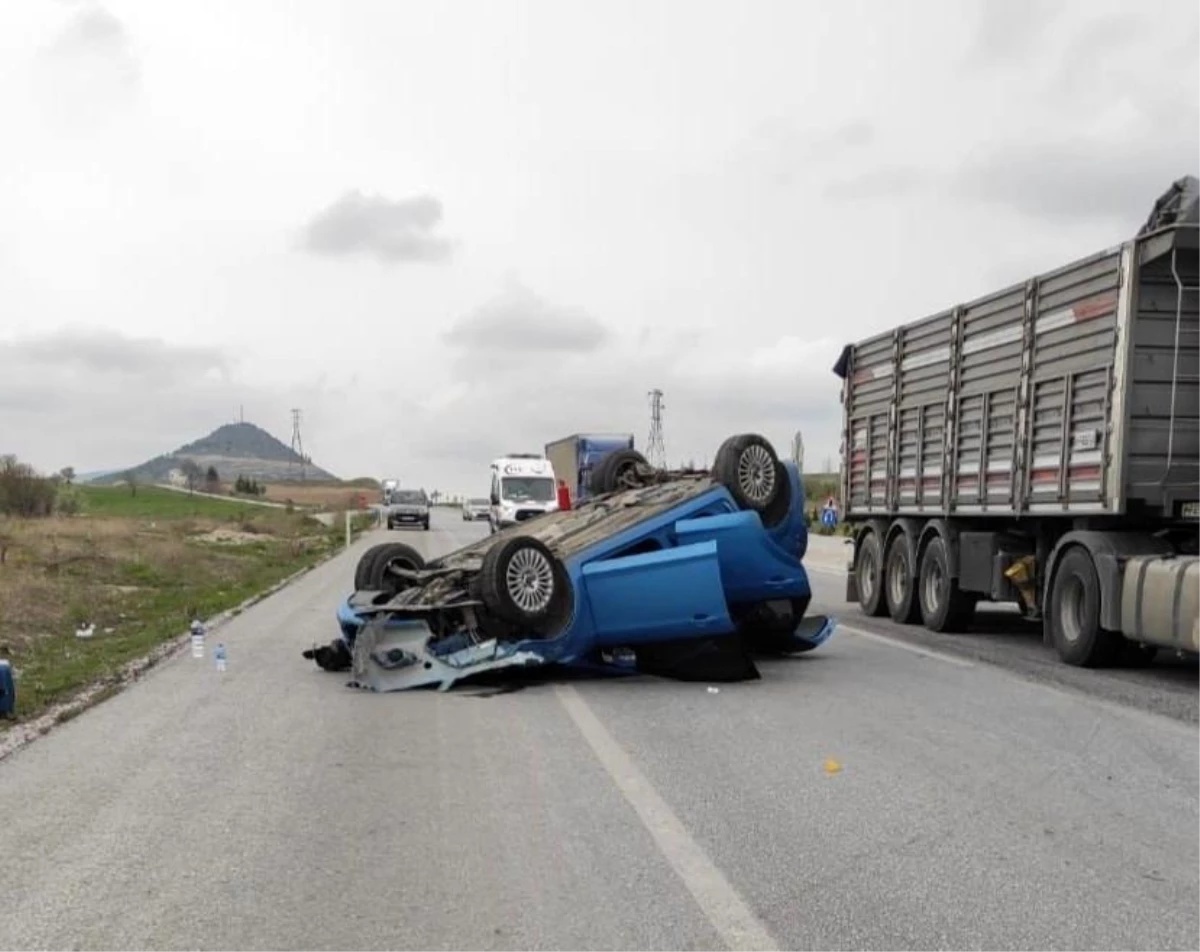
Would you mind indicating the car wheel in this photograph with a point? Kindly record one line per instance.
(747, 466)
(393, 555)
(362, 571)
(1074, 616)
(619, 470)
(522, 582)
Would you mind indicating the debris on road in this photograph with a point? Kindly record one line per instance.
(680, 574)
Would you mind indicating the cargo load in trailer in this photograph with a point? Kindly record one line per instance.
(1040, 445)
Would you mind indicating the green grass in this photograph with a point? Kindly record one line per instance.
(140, 568)
(154, 502)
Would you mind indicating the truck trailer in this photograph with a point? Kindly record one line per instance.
(1039, 445)
(574, 458)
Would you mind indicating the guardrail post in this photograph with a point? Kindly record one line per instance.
(348, 515)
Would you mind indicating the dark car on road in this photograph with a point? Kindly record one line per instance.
(408, 507)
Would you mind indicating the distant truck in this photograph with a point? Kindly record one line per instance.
(1040, 445)
(574, 458)
(389, 486)
(523, 486)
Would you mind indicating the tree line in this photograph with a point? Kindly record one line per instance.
(27, 494)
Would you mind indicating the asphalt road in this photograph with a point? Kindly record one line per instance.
(882, 792)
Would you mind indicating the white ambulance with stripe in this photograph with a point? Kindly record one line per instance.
(523, 487)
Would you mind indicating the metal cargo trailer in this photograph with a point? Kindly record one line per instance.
(574, 457)
(1040, 445)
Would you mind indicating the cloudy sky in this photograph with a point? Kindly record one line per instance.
(450, 230)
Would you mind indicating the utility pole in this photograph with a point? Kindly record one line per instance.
(297, 443)
(656, 450)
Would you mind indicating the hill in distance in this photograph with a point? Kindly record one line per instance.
(235, 449)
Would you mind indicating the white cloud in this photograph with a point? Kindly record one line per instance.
(715, 217)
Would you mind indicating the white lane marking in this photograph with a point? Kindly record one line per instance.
(824, 570)
(904, 646)
(716, 897)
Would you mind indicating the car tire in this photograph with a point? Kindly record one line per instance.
(522, 582)
(393, 554)
(426, 525)
(749, 468)
(362, 571)
(869, 575)
(944, 606)
(1074, 615)
(616, 472)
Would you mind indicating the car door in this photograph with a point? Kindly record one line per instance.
(665, 595)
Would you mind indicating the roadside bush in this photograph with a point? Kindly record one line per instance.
(23, 492)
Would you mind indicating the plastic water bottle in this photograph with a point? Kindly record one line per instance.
(219, 656)
(197, 639)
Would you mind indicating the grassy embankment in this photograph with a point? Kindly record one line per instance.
(139, 567)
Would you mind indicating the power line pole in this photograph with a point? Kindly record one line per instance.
(297, 442)
(656, 451)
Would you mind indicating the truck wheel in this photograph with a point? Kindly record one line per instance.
(747, 466)
(1074, 616)
(521, 581)
(617, 471)
(944, 607)
(393, 555)
(868, 573)
(362, 571)
(901, 583)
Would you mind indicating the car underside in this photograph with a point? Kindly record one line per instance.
(679, 574)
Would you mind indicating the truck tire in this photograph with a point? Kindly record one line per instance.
(522, 582)
(900, 583)
(868, 573)
(1074, 615)
(393, 554)
(747, 466)
(944, 606)
(362, 571)
(617, 471)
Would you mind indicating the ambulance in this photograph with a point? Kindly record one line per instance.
(523, 487)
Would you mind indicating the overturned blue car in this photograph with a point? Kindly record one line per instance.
(681, 574)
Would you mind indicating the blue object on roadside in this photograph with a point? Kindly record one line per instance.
(829, 517)
(8, 691)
